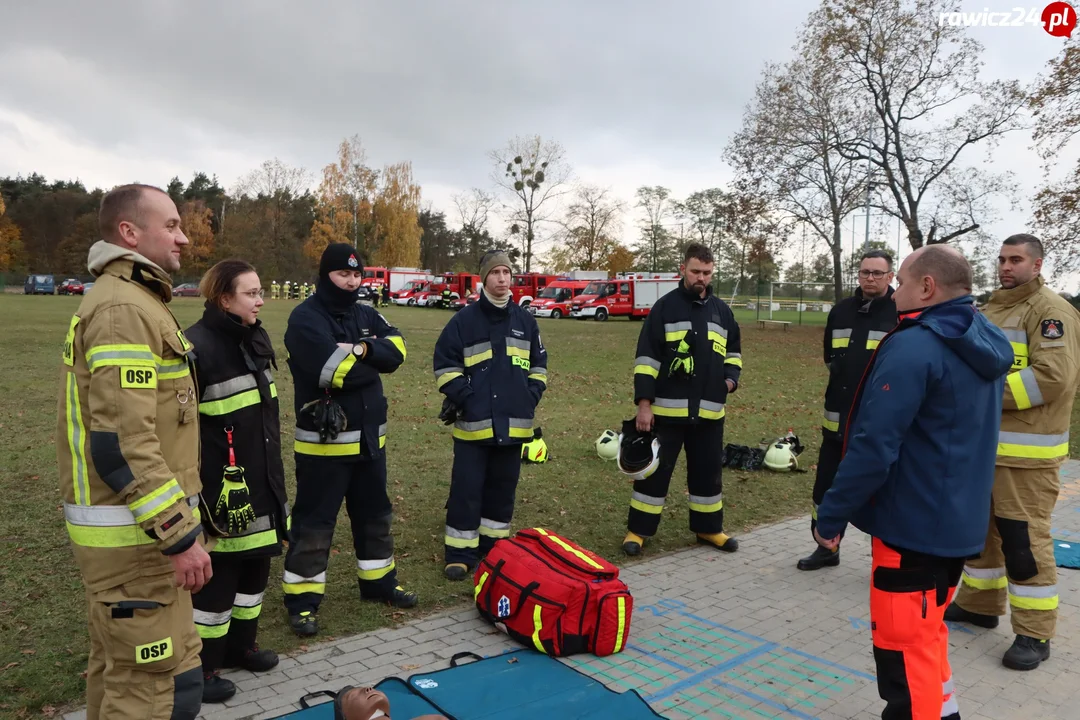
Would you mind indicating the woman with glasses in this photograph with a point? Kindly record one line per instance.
(243, 496)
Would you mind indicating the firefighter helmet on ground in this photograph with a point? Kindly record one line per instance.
(536, 450)
(607, 445)
(783, 453)
(639, 453)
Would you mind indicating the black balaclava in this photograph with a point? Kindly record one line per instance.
(338, 256)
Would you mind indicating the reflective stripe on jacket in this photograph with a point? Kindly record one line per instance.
(128, 425)
(1044, 331)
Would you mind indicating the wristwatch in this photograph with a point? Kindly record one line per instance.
(359, 350)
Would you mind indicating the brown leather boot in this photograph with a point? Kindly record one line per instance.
(365, 703)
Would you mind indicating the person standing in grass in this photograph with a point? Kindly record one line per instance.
(491, 365)
(689, 358)
(242, 474)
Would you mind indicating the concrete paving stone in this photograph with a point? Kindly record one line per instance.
(232, 713)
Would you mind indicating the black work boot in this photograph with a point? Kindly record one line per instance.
(398, 597)
(256, 660)
(821, 557)
(305, 624)
(456, 571)
(1026, 653)
(955, 613)
(632, 544)
(216, 689)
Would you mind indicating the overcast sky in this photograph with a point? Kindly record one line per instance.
(639, 93)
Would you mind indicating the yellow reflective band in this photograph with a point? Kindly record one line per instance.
(646, 370)
(246, 613)
(645, 507)
(376, 574)
(342, 370)
(76, 436)
(108, 537)
(273, 390)
(246, 542)
(562, 543)
(872, 344)
(155, 502)
(719, 342)
(710, 508)
(69, 342)
(477, 434)
(621, 634)
(455, 542)
(538, 625)
(1020, 355)
(813, 513)
(829, 423)
(711, 414)
(479, 586)
(1019, 392)
(106, 355)
(670, 411)
(399, 343)
(208, 632)
(516, 432)
(1033, 452)
(478, 358)
(183, 340)
(736, 361)
(999, 583)
(1033, 603)
(301, 588)
(540, 377)
(513, 351)
(155, 651)
(447, 377)
(230, 404)
(674, 335)
(327, 450)
(382, 441)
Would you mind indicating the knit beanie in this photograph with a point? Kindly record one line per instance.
(339, 256)
(491, 260)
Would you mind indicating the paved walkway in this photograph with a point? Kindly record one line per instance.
(726, 636)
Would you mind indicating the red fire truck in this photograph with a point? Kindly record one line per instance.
(555, 299)
(528, 286)
(408, 294)
(630, 294)
(460, 285)
(394, 278)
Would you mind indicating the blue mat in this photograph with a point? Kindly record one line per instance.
(523, 685)
(1067, 553)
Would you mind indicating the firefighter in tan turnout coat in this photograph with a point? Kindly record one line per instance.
(128, 450)
(1018, 561)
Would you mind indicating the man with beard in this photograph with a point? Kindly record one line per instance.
(688, 361)
(852, 333)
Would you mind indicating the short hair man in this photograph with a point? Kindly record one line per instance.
(853, 330)
(1018, 562)
(917, 473)
(129, 466)
(689, 358)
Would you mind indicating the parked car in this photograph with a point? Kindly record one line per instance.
(71, 286)
(186, 290)
(39, 285)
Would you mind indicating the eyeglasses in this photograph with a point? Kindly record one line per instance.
(254, 293)
(876, 274)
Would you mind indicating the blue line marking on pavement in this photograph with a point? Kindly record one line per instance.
(708, 674)
(763, 700)
(725, 628)
(827, 663)
(658, 658)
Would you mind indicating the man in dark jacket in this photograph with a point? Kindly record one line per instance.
(338, 350)
(689, 358)
(492, 366)
(852, 332)
(917, 472)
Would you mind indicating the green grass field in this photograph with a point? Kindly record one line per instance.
(43, 641)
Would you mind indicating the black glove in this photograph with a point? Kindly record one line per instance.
(449, 412)
(326, 415)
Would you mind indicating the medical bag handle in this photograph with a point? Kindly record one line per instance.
(525, 592)
(462, 656)
(304, 700)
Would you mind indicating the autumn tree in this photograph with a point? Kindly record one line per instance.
(920, 79)
(789, 148)
(74, 248)
(346, 199)
(396, 238)
(1055, 104)
(11, 248)
(619, 260)
(587, 230)
(704, 215)
(195, 222)
(474, 210)
(656, 248)
(532, 173)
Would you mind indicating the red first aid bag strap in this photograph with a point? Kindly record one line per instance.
(570, 553)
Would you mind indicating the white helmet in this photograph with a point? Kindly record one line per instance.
(639, 453)
(783, 453)
(607, 445)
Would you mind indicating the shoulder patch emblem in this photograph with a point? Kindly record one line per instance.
(1052, 329)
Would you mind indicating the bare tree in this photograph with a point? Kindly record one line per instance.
(532, 173)
(787, 149)
(704, 216)
(588, 230)
(920, 78)
(274, 177)
(656, 249)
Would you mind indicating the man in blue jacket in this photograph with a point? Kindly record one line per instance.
(917, 472)
(491, 365)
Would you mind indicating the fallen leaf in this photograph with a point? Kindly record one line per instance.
(29, 652)
(409, 667)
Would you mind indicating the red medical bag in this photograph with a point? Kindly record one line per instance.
(553, 595)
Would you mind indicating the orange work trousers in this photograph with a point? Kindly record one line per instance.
(909, 592)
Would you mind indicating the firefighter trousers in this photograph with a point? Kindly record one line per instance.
(704, 443)
(1018, 561)
(227, 609)
(321, 484)
(832, 450)
(908, 595)
(483, 483)
(144, 653)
